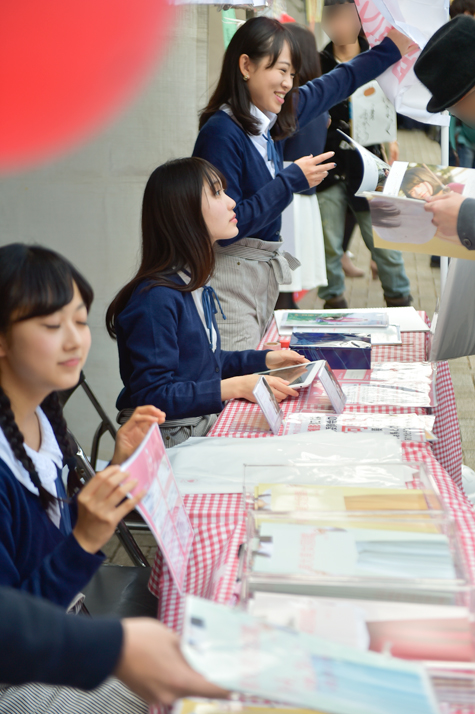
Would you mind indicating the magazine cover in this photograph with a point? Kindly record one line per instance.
(298, 318)
(399, 219)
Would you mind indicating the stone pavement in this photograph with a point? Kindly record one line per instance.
(365, 292)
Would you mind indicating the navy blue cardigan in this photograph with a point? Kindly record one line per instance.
(34, 555)
(166, 359)
(260, 199)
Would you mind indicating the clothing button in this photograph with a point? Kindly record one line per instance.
(467, 243)
(239, 263)
(217, 369)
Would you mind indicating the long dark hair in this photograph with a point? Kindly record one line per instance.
(36, 281)
(174, 232)
(310, 67)
(417, 175)
(259, 37)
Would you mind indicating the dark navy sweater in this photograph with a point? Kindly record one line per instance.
(166, 359)
(260, 199)
(40, 643)
(34, 555)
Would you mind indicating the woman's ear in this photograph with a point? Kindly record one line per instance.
(245, 66)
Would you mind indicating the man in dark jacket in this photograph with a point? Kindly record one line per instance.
(341, 23)
(447, 68)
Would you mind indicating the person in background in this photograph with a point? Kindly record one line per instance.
(164, 318)
(41, 644)
(242, 132)
(453, 45)
(341, 23)
(302, 217)
(462, 136)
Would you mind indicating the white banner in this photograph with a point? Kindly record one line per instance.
(419, 20)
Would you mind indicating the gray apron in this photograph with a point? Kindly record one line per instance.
(246, 278)
(176, 431)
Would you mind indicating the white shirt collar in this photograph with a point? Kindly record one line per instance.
(197, 299)
(266, 119)
(45, 460)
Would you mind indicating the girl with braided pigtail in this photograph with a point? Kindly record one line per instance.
(50, 544)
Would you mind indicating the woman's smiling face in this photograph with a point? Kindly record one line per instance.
(268, 86)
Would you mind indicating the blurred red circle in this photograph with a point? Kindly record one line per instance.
(67, 66)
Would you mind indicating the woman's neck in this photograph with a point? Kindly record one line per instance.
(345, 53)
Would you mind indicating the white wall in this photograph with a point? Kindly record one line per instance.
(87, 205)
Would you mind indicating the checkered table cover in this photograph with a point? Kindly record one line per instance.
(218, 520)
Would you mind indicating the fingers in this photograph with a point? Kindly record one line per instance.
(110, 484)
(281, 387)
(436, 198)
(323, 157)
(129, 504)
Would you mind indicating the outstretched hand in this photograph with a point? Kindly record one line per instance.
(404, 43)
(275, 359)
(132, 433)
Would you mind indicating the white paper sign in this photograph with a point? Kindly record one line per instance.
(162, 507)
(372, 115)
(268, 404)
(419, 20)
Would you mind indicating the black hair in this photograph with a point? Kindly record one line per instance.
(330, 3)
(417, 175)
(459, 7)
(259, 37)
(174, 233)
(36, 281)
(310, 67)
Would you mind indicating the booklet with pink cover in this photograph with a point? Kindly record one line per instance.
(162, 507)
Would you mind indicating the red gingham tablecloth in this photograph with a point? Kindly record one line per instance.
(218, 520)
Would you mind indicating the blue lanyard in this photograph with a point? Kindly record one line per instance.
(65, 523)
(209, 308)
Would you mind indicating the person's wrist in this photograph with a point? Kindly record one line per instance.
(84, 542)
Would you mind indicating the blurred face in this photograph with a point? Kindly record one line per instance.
(341, 23)
(422, 191)
(45, 354)
(218, 212)
(465, 109)
(268, 86)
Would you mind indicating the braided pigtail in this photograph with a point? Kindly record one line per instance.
(15, 438)
(54, 412)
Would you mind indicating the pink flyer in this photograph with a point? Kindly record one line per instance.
(162, 507)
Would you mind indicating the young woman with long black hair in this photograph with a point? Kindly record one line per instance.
(50, 544)
(164, 318)
(242, 132)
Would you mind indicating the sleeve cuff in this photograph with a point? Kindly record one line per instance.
(466, 224)
(296, 178)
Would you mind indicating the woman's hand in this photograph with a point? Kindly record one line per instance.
(275, 359)
(101, 506)
(404, 43)
(313, 168)
(241, 388)
(132, 433)
(152, 665)
(393, 152)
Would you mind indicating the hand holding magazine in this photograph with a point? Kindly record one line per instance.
(397, 196)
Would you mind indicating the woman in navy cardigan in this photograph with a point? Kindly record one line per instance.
(164, 318)
(242, 132)
(50, 545)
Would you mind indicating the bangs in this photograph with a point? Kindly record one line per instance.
(276, 45)
(211, 174)
(40, 282)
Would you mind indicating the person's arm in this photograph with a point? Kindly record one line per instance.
(223, 150)
(59, 575)
(150, 333)
(319, 95)
(242, 362)
(40, 643)
(466, 223)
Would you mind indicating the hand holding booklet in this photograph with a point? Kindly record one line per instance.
(397, 196)
(241, 653)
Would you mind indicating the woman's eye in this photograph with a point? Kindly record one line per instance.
(83, 323)
(52, 327)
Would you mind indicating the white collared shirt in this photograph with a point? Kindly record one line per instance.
(45, 461)
(266, 122)
(197, 299)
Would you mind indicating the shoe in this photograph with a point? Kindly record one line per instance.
(350, 270)
(401, 301)
(335, 303)
(374, 269)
